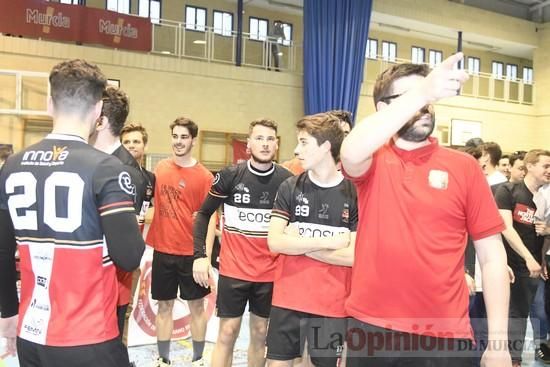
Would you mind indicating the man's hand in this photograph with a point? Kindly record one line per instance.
(500, 357)
(8, 330)
(444, 80)
(201, 271)
(534, 267)
(511, 275)
(541, 228)
(471, 283)
(339, 241)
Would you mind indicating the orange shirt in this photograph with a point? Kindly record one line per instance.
(293, 166)
(179, 193)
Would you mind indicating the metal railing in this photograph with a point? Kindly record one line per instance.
(480, 85)
(214, 45)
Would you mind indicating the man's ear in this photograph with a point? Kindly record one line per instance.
(101, 123)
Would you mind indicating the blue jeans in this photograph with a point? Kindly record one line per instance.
(537, 314)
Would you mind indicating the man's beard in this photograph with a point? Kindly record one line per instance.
(257, 159)
(185, 152)
(417, 134)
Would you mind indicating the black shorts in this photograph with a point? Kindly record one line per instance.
(170, 272)
(111, 353)
(373, 346)
(288, 330)
(233, 294)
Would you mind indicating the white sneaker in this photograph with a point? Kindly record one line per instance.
(161, 362)
(199, 363)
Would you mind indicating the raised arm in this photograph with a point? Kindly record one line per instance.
(375, 130)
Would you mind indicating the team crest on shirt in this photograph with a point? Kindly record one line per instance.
(301, 199)
(125, 183)
(345, 214)
(264, 197)
(438, 179)
(181, 184)
(323, 212)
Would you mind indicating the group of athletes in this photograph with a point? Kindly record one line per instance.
(358, 252)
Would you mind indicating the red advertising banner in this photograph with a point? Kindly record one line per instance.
(74, 23)
(240, 151)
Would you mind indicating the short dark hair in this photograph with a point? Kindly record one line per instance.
(505, 156)
(324, 127)
(343, 115)
(187, 123)
(76, 86)
(473, 151)
(384, 82)
(262, 122)
(494, 151)
(5, 151)
(133, 126)
(116, 108)
(518, 155)
(474, 142)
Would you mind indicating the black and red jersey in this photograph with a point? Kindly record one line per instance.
(302, 283)
(56, 192)
(248, 197)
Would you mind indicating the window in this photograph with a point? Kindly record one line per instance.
(511, 72)
(258, 29)
(150, 9)
(223, 23)
(287, 30)
(497, 69)
(389, 51)
(372, 49)
(72, 2)
(120, 6)
(435, 58)
(473, 65)
(195, 18)
(527, 75)
(418, 55)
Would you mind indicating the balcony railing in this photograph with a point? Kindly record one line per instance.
(204, 43)
(480, 85)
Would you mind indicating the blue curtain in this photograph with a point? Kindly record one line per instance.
(335, 40)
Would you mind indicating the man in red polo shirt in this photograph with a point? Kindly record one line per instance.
(417, 204)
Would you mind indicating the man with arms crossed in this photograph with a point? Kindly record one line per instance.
(182, 183)
(247, 267)
(64, 203)
(321, 205)
(417, 204)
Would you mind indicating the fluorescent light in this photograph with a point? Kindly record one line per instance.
(165, 52)
(280, 54)
(199, 42)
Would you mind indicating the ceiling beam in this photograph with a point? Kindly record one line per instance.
(540, 5)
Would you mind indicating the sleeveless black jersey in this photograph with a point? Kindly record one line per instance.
(248, 199)
(55, 192)
(303, 283)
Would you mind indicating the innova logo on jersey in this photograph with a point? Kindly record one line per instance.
(54, 157)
